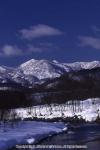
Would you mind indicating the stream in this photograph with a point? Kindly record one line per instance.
(86, 136)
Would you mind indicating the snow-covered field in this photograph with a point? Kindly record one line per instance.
(27, 132)
(89, 109)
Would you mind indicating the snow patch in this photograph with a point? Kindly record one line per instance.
(88, 109)
(28, 132)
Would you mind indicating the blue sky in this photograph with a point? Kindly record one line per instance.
(65, 30)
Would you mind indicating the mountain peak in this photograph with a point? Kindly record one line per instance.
(55, 61)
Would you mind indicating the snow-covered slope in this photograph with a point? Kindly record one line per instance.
(84, 65)
(27, 133)
(88, 109)
(34, 71)
(43, 69)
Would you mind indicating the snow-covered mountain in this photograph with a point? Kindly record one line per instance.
(84, 65)
(34, 71)
(43, 69)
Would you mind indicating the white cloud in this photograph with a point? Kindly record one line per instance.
(90, 41)
(13, 50)
(38, 31)
(10, 50)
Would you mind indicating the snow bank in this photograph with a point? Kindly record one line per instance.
(89, 109)
(27, 132)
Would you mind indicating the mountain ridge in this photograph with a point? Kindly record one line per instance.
(36, 71)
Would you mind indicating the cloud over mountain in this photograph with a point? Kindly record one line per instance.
(90, 41)
(10, 50)
(38, 31)
(14, 50)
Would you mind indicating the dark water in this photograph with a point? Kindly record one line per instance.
(85, 137)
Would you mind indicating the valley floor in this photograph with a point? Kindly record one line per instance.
(12, 134)
(27, 132)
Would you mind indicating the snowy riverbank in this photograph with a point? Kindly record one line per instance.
(88, 109)
(28, 132)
